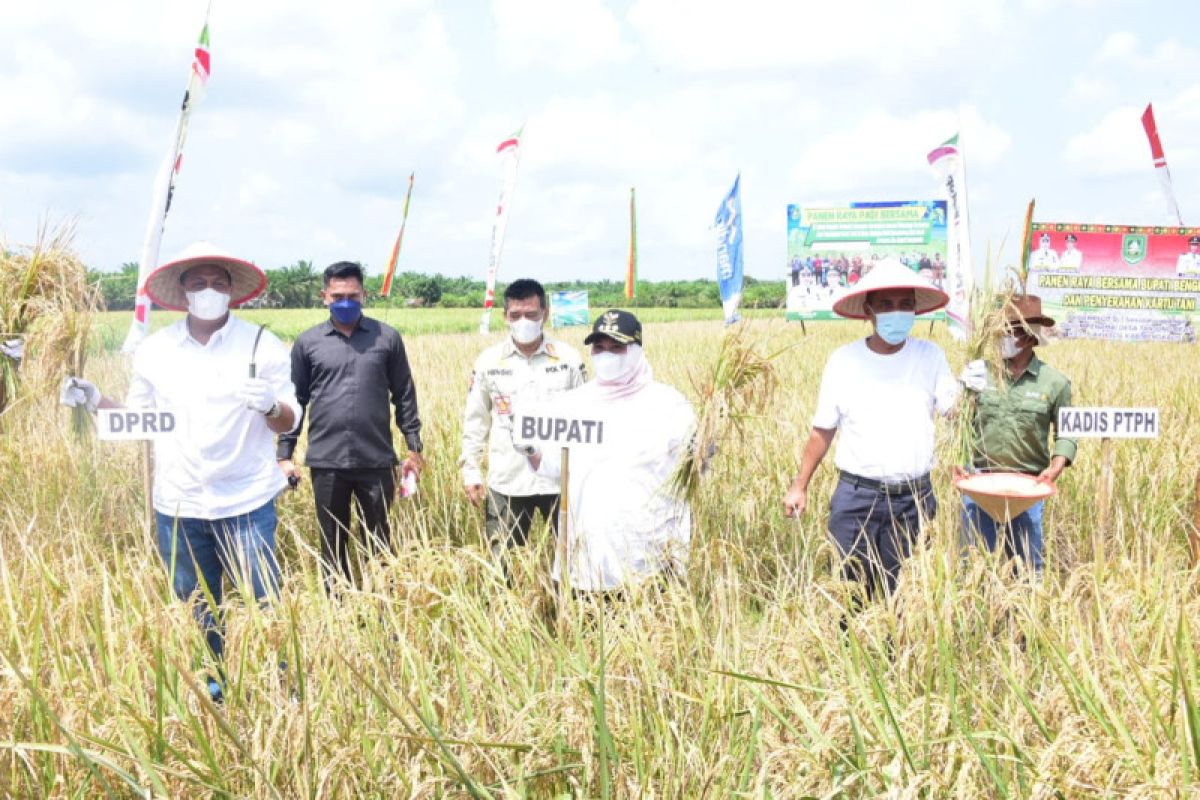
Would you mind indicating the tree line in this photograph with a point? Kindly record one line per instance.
(299, 286)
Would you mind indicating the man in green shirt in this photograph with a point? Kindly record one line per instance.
(1013, 427)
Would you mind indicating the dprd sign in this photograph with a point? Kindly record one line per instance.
(130, 424)
(1108, 423)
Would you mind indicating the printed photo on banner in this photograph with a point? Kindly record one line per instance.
(569, 308)
(1118, 282)
(831, 248)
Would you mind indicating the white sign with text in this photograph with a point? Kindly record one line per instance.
(561, 424)
(1108, 423)
(132, 424)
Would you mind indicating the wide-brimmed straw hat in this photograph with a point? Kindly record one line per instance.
(1027, 309)
(890, 274)
(165, 290)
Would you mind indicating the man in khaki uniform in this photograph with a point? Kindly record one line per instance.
(527, 366)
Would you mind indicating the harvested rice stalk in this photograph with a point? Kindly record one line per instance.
(987, 327)
(46, 300)
(740, 386)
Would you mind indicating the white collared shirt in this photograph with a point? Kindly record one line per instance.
(883, 407)
(503, 378)
(222, 461)
(624, 524)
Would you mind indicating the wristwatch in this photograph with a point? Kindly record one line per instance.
(276, 411)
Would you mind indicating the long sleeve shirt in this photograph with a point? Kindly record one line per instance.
(346, 387)
(1013, 425)
(219, 463)
(502, 379)
(624, 523)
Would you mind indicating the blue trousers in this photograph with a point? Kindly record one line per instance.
(200, 553)
(1021, 537)
(874, 530)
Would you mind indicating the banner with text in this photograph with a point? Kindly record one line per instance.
(1117, 281)
(831, 248)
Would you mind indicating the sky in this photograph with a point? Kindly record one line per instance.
(316, 113)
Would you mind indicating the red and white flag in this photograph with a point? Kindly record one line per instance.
(1160, 165)
(509, 151)
(947, 161)
(164, 191)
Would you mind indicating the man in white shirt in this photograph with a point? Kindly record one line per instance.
(527, 366)
(1044, 257)
(881, 394)
(216, 480)
(625, 523)
(1072, 256)
(1188, 264)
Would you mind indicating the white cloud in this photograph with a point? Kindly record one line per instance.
(566, 35)
(1117, 145)
(711, 35)
(883, 147)
(1119, 46)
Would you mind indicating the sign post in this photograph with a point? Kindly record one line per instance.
(565, 427)
(1107, 424)
(564, 516)
(1194, 533)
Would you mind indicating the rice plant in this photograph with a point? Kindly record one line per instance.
(434, 679)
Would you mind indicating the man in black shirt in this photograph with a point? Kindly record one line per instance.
(345, 371)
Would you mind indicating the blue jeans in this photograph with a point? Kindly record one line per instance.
(1022, 534)
(200, 553)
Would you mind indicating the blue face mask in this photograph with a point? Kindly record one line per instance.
(894, 326)
(346, 312)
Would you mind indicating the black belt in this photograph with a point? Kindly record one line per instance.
(899, 487)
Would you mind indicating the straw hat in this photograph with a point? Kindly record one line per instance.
(1027, 309)
(165, 290)
(890, 274)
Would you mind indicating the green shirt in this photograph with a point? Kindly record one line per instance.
(1013, 424)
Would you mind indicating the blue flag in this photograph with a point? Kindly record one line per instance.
(728, 227)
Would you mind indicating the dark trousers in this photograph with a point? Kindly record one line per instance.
(874, 528)
(508, 518)
(371, 492)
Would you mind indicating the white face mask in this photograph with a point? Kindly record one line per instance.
(525, 331)
(609, 366)
(1009, 347)
(208, 304)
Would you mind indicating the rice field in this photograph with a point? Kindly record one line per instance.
(435, 680)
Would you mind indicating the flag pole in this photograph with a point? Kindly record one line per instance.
(164, 189)
(386, 289)
(510, 148)
(631, 271)
(1160, 163)
(160, 206)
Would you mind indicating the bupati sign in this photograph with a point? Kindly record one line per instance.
(1117, 281)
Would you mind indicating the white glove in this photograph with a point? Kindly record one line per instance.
(974, 375)
(258, 395)
(14, 349)
(77, 392)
